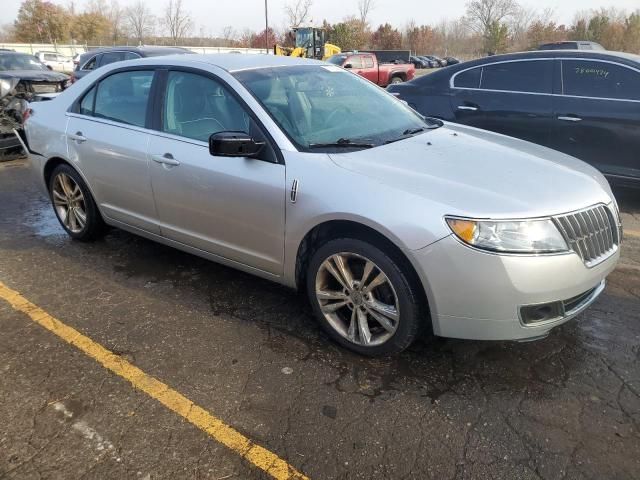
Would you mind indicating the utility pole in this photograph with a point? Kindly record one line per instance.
(266, 27)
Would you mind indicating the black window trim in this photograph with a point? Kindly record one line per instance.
(559, 59)
(162, 73)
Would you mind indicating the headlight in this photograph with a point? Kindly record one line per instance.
(525, 236)
(6, 85)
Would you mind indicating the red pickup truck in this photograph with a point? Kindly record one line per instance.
(366, 65)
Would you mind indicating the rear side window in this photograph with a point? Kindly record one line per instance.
(590, 78)
(50, 57)
(123, 97)
(131, 56)
(91, 64)
(468, 79)
(356, 62)
(86, 105)
(111, 57)
(535, 76)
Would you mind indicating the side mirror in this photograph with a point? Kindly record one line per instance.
(234, 144)
(347, 65)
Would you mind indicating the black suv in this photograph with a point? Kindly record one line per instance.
(583, 103)
(103, 56)
(571, 45)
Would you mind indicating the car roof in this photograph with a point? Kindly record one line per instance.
(140, 49)
(233, 62)
(594, 54)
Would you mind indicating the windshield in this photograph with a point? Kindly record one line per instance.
(325, 107)
(337, 59)
(303, 37)
(20, 62)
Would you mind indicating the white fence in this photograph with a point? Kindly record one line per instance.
(71, 50)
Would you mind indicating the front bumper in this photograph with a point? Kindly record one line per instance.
(478, 295)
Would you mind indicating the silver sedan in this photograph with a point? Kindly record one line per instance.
(308, 175)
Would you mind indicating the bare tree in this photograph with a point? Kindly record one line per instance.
(228, 35)
(140, 20)
(297, 12)
(177, 21)
(364, 8)
(483, 14)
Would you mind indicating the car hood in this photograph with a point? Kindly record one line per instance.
(476, 173)
(34, 75)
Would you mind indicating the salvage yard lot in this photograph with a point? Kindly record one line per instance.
(249, 352)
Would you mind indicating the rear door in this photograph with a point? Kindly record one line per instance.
(513, 98)
(597, 116)
(107, 136)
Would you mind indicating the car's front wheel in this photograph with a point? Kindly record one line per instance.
(73, 204)
(363, 298)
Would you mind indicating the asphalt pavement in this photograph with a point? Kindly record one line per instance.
(249, 354)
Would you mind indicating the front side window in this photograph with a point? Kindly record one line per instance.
(590, 78)
(123, 97)
(323, 107)
(535, 76)
(196, 107)
(50, 57)
(368, 62)
(131, 56)
(468, 79)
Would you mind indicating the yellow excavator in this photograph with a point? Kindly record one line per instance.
(309, 43)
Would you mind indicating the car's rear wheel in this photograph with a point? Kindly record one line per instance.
(396, 79)
(73, 204)
(363, 298)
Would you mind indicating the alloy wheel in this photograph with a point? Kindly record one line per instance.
(357, 299)
(69, 203)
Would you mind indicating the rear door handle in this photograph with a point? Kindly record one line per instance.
(166, 159)
(467, 107)
(77, 137)
(569, 118)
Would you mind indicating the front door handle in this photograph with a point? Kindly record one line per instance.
(77, 137)
(166, 159)
(467, 107)
(569, 118)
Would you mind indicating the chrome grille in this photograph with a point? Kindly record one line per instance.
(591, 233)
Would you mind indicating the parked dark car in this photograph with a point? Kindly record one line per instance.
(571, 45)
(583, 103)
(93, 59)
(451, 60)
(439, 62)
(430, 63)
(22, 78)
(418, 62)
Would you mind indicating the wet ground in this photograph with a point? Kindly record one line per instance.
(567, 407)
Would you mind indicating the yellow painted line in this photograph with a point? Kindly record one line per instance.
(632, 233)
(259, 456)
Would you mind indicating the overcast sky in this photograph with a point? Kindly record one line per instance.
(213, 15)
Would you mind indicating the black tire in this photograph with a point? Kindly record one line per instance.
(396, 80)
(94, 227)
(410, 320)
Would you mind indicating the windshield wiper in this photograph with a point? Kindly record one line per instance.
(410, 132)
(342, 143)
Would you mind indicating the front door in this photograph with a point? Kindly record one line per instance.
(106, 135)
(513, 98)
(597, 116)
(232, 207)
